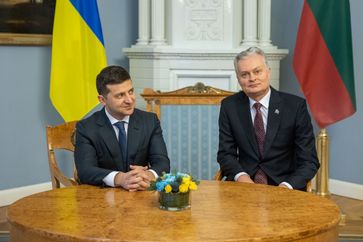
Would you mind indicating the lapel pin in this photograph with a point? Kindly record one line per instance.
(277, 111)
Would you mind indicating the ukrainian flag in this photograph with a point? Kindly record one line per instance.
(78, 55)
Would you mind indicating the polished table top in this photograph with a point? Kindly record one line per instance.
(220, 211)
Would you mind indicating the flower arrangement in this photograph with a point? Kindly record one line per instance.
(174, 183)
(174, 189)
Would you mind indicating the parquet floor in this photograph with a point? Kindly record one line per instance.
(3, 224)
(352, 220)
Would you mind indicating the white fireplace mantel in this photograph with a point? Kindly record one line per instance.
(188, 41)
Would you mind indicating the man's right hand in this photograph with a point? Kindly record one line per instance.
(245, 178)
(128, 180)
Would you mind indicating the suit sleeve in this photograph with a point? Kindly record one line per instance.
(227, 152)
(307, 162)
(158, 156)
(86, 159)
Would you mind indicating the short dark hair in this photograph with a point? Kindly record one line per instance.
(110, 75)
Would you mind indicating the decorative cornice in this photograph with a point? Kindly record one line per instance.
(171, 53)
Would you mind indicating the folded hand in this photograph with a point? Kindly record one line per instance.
(138, 178)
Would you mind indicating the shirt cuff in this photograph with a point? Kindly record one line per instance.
(109, 180)
(154, 173)
(239, 174)
(286, 184)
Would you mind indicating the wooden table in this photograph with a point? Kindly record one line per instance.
(220, 211)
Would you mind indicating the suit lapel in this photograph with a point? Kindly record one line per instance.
(133, 136)
(109, 137)
(244, 115)
(273, 120)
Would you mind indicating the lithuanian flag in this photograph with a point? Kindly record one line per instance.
(78, 55)
(323, 60)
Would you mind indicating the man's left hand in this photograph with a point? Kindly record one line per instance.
(145, 174)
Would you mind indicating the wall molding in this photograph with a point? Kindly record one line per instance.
(346, 189)
(9, 196)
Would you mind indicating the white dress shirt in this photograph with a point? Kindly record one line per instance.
(109, 180)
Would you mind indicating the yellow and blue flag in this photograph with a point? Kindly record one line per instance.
(78, 55)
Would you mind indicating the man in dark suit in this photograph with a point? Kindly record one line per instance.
(119, 146)
(265, 136)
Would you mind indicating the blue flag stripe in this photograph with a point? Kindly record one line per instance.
(89, 11)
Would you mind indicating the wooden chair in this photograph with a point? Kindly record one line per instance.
(61, 137)
(189, 119)
(218, 176)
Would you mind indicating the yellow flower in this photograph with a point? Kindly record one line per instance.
(186, 180)
(183, 188)
(193, 186)
(168, 188)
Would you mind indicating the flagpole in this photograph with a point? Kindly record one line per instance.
(322, 177)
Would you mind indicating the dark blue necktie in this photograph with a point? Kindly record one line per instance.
(122, 140)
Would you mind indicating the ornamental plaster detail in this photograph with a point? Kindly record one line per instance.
(204, 20)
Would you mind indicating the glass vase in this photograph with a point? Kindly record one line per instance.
(174, 201)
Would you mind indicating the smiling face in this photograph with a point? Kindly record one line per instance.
(119, 100)
(253, 76)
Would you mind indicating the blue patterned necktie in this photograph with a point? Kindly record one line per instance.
(122, 140)
(260, 176)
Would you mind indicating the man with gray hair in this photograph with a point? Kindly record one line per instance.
(265, 136)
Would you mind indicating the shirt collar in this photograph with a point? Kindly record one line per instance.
(114, 120)
(264, 101)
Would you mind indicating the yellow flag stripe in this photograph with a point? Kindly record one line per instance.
(77, 58)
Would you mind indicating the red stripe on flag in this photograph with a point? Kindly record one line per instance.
(315, 69)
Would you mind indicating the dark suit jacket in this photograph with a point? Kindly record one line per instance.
(289, 150)
(97, 150)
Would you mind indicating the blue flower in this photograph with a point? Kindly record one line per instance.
(160, 185)
(169, 178)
